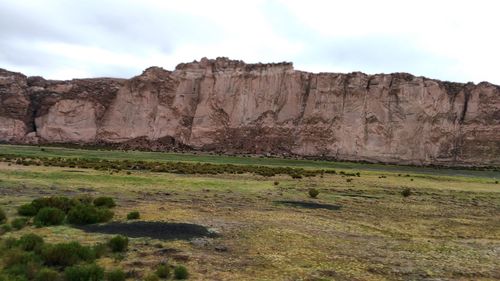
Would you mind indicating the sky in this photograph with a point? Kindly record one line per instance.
(64, 39)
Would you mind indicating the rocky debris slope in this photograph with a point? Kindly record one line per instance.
(229, 106)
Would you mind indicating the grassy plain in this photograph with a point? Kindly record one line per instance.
(448, 229)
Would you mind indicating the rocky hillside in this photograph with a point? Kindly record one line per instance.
(227, 105)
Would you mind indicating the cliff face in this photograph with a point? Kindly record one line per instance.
(227, 105)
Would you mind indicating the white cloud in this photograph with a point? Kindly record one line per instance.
(451, 40)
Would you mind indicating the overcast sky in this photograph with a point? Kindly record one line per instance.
(448, 40)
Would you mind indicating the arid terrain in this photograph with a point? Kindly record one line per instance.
(388, 223)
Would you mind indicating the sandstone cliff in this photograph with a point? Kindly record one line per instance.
(227, 105)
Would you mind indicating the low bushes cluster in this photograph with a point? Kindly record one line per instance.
(49, 216)
(134, 215)
(78, 210)
(116, 275)
(88, 214)
(107, 202)
(19, 223)
(87, 272)
(31, 258)
(165, 167)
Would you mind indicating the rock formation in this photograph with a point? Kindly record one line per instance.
(227, 105)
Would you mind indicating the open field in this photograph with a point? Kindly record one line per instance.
(269, 229)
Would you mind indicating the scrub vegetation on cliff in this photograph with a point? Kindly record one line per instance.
(389, 223)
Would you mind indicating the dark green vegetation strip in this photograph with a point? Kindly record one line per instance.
(52, 152)
(166, 167)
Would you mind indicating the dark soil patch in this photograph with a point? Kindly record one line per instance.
(309, 205)
(156, 230)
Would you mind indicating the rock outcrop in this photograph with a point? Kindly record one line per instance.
(227, 105)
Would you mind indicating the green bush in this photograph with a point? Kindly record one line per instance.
(3, 216)
(8, 243)
(19, 223)
(47, 274)
(181, 272)
(100, 249)
(135, 215)
(313, 192)
(66, 254)
(30, 242)
(23, 271)
(49, 216)
(90, 272)
(118, 243)
(5, 228)
(115, 275)
(88, 214)
(16, 256)
(104, 214)
(151, 277)
(59, 202)
(163, 271)
(104, 202)
(82, 199)
(27, 210)
(406, 192)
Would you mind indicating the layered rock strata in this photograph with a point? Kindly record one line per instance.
(229, 106)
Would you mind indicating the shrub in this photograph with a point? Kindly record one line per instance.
(66, 254)
(27, 210)
(133, 215)
(151, 277)
(90, 272)
(88, 214)
(406, 192)
(19, 223)
(104, 202)
(82, 199)
(313, 192)
(49, 216)
(181, 272)
(3, 216)
(8, 243)
(23, 271)
(16, 256)
(5, 228)
(118, 243)
(115, 275)
(163, 271)
(47, 274)
(30, 242)
(60, 202)
(100, 249)
(104, 214)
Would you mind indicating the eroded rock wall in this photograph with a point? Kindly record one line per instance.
(227, 105)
